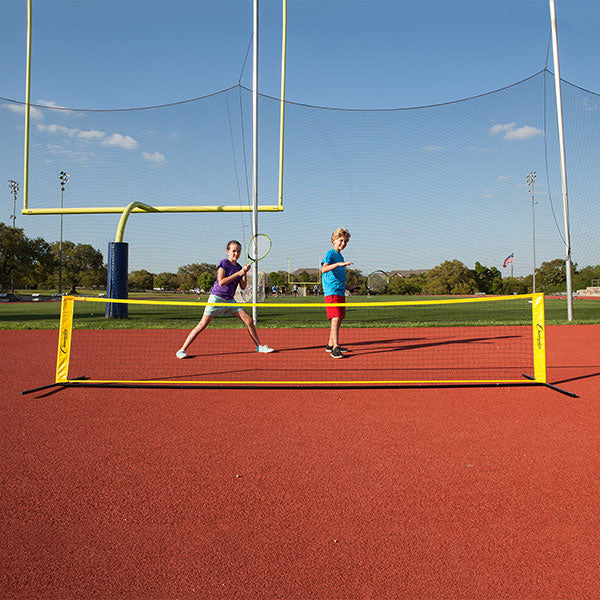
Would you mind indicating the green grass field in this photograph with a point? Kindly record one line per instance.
(90, 315)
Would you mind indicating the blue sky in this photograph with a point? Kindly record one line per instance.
(341, 53)
(344, 53)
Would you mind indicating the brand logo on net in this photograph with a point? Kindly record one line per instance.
(540, 335)
(64, 340)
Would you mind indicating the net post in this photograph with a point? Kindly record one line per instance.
(539, 337)
(65, 331)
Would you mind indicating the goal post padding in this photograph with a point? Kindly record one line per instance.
(117, 285)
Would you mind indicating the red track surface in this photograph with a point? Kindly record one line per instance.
(404, 493)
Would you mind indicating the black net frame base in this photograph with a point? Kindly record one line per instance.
(81, 383)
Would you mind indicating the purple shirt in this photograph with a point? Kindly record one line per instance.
(226, 291)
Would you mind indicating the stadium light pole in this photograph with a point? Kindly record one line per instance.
(14, 188)
(530, 181)
(64, 179)
(563, 161)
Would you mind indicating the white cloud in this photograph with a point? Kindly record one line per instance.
(155, 157)
(116, 140)
(502, 178)
(432, 148)
(512, 132)
(523, 133)
(34, 113)
(62, 110)
(121, 141)
(502, 128)
(49, 103)
(91, 134)
(53, 128)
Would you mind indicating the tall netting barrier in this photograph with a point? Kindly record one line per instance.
(246, 294)
(415, 186)
(497, 340)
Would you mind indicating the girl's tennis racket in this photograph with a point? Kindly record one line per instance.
(258, 247)
(377, 281)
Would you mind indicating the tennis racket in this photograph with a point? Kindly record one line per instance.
(258, 247)
(377, 281)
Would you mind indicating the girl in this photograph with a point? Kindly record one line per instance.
(229, 275)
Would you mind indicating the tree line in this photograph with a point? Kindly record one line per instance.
(27, 263)
(452, 277)
(33, 264)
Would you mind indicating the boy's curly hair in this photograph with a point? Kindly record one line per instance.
(340, 232)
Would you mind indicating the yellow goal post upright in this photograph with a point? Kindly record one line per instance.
(27, 210)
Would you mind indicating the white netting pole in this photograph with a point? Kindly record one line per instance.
(255, 153)
(563, 161)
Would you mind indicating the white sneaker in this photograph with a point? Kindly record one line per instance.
(265, 349)
(181, 354)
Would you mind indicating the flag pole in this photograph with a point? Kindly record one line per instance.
(563, 161)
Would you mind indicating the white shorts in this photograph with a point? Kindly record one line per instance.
(221, 311)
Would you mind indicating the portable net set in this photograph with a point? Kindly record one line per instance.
(440, 345)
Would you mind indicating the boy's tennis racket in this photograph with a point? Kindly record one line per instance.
(377, 281)
(258, 247)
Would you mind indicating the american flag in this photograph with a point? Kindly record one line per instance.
(510, 258)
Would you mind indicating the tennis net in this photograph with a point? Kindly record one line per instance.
(450, 341)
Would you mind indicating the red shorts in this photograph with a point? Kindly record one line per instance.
(335, 311)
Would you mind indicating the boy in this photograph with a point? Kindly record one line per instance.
(229, 275)
(333, 268)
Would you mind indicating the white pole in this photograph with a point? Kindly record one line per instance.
(255, 155)
(533, 233)
(531, 182)
(60, 249)
(563, 161)
(27, 106)
(282, 107)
